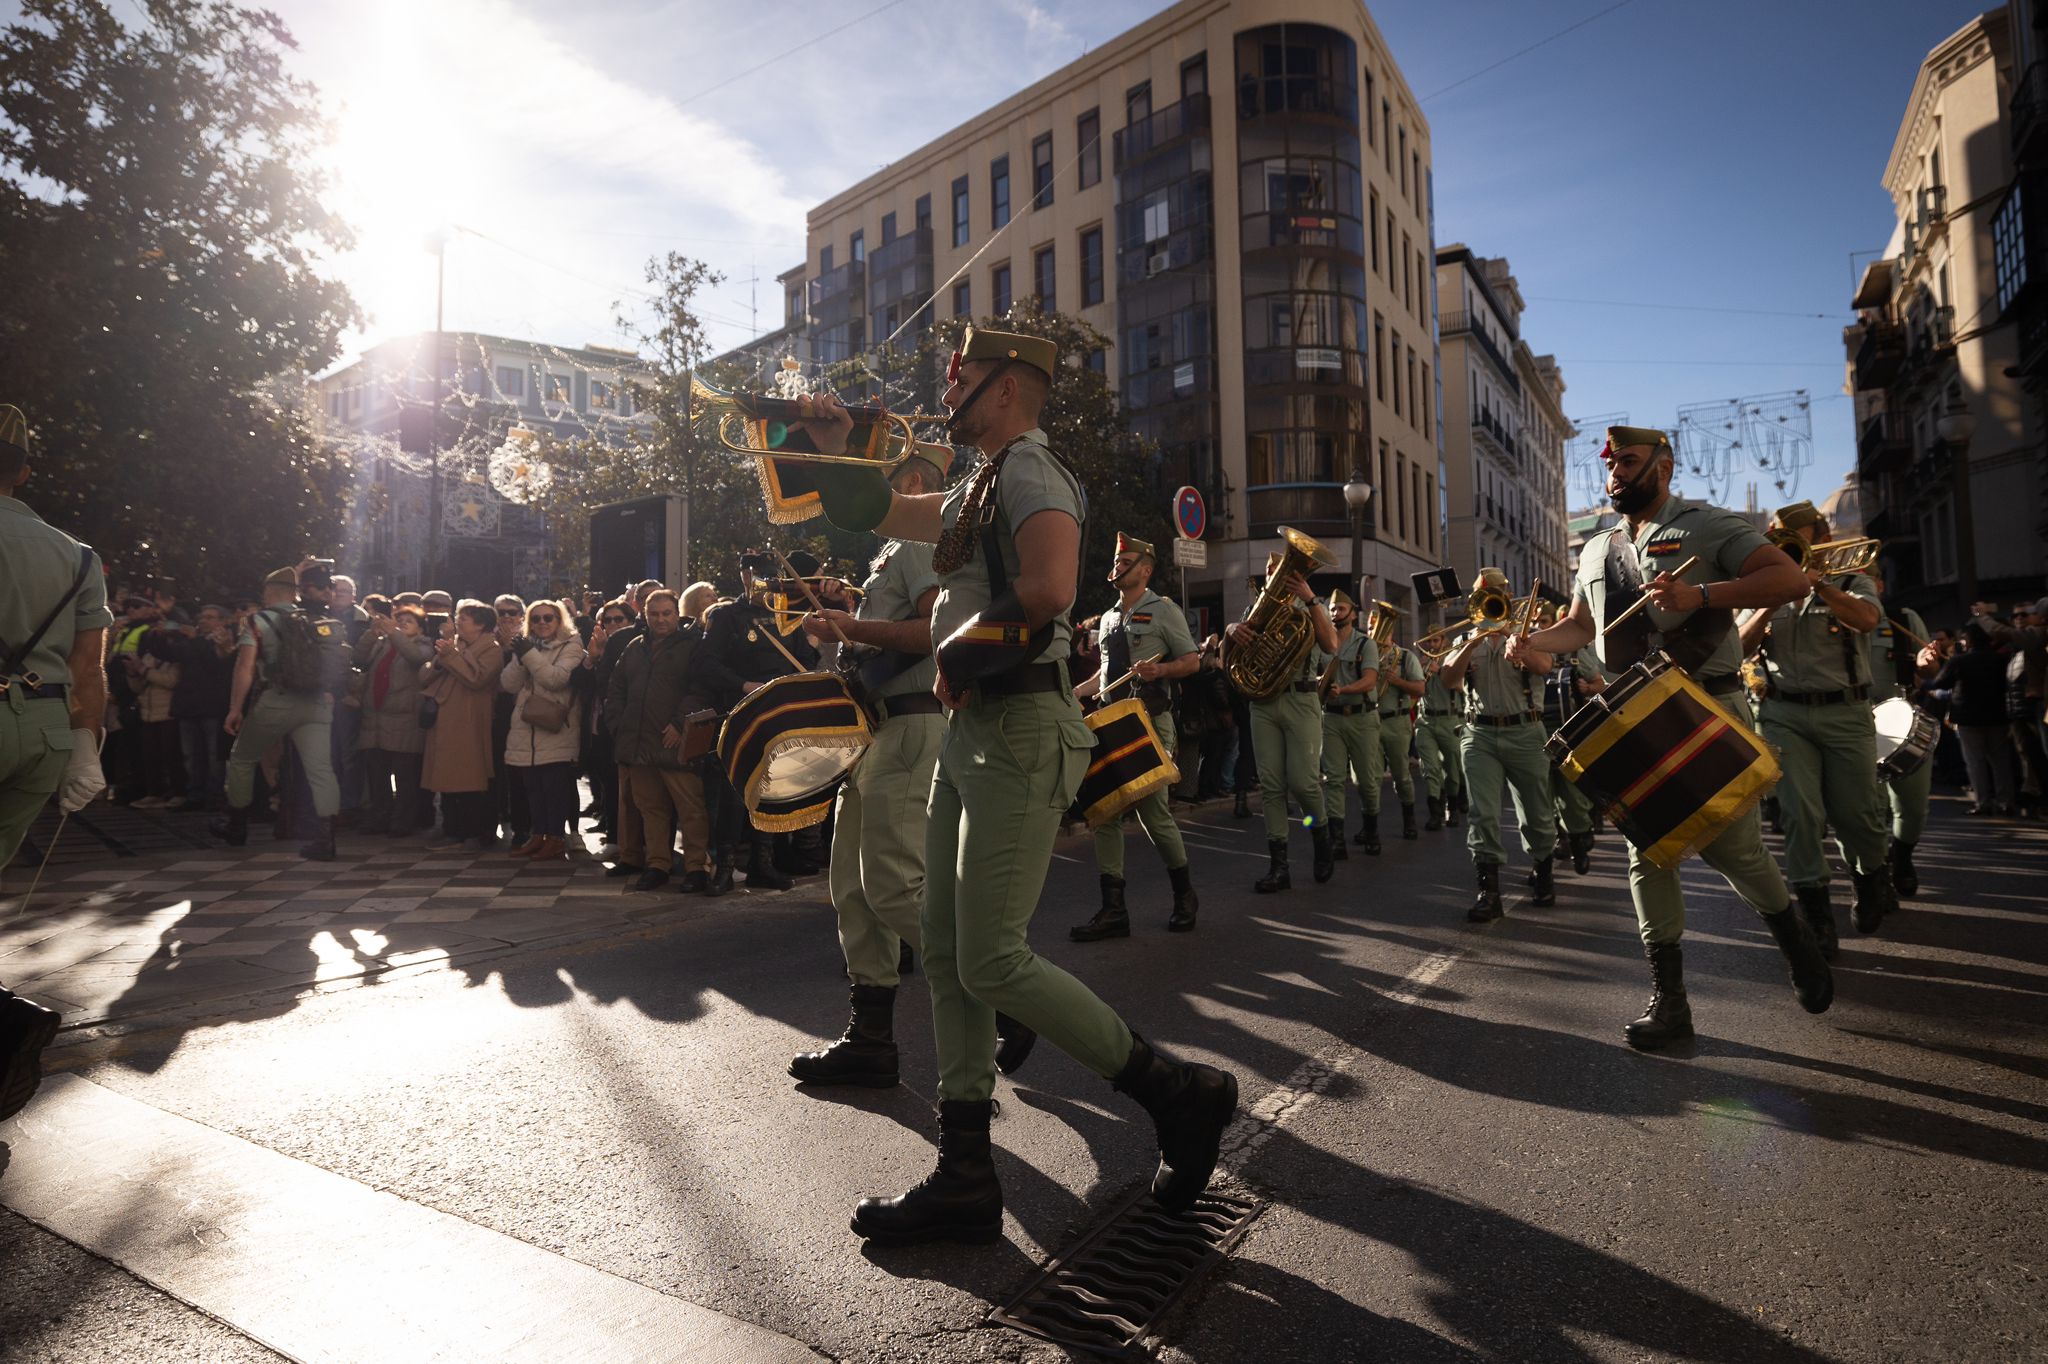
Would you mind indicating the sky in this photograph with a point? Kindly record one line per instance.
(1711, 167)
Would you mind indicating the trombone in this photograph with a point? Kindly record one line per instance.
(1488, 609)
(1831, 558)
(760, 424)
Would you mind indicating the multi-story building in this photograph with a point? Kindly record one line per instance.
(1949, 452)
(1504, 430)
(427, 505)
(1237, 192)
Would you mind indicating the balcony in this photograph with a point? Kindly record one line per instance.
(1932, 341)
(1885, 445)
(1879, 355)
(1316, 508)
(1485, 422)
(1162, 130)
(838, 295)
(2030, 113)
(1464, 324)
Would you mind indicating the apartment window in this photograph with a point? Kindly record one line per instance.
(1428, 399)
(857, 247)
(824, 260)
(1415, 160)
(1383, 484)
(1414, 394)
(1091, 266)
(999, 191)
(1088, 137)
(1387, 134)
(1400, 491)
(1138, 104)
(961, 227)
(1402, 131)
(999, 288)
(1422, 288)
(559, 388)
(1379, 355)
(1098, 362)
(924, 211)
(602, 397)
(1429, 504)
(1042, 277)
(1372, 225)
(1041, 171)
(1194, 76)
(888, 228)
(1371, 93)
(512, 381)
(963, 299)
(1395, 362)
(1407, 280)
(793, 305)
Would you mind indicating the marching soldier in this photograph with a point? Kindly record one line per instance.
(1402, 684)
(53, 700)
(1351, 741)
(876, 872)
(1287, 740)
(1143, 633)
(1439, 738)
(1894, 662)
(1576, 676)
(283, 649)
(1015, 750)
(1503, 746)
(1691, 619)
(1816, 711)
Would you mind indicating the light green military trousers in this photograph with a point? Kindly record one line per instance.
(1509, 756)
(1008, 768)
(1830, 758)
(1443, 757)
(1574, 807)
(878, 835)
(1155, 816)
(1396, 732)
(1351, 748)
(35, 747)
(305, 720)
(1287, 740)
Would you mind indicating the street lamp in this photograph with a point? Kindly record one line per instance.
(1357, 495)
(1955, 427)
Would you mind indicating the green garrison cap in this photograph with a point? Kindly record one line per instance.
(1034, 351)
(1338, 597)
(1798, 516)
(1131, 544)
(1619, 436)
(281, 577)
(13, 427)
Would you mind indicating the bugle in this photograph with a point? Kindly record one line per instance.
(1830, 558)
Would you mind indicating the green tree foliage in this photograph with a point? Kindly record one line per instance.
(162, 239)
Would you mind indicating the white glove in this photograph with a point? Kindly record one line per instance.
(83, 780)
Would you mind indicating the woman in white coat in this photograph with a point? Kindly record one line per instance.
(541, 746)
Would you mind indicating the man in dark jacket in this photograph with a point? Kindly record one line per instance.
(647, 705)
(206, 675)
(616, 625)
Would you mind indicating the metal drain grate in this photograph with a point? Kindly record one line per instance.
(1104, 1294)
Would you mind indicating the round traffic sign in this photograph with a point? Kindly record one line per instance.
(1190, 514)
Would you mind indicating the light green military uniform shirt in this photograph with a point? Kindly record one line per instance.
(1496, 686)
(1352, 664)
(1033, 480)
(37, 564)
(1885, 643)
(1154, 626)
(1723, 541)
(901, 575)
(1439, 702)
(1393, 701)
(1809, 650)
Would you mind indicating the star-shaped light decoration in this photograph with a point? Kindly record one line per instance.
(517, 471)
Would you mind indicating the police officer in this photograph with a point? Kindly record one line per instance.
(1016, 747)
(301, 716)
(53, 699)
(1402, 684)
(1816, 711)
(1504, 746)
(1575, 677)
(1351, 722)
(1287, 740)
(1895, 647)
(878, 826)
(1689, 618)
(1143, 633)
(1439, 738)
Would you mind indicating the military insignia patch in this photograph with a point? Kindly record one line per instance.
(1142, 618)
(1667, 546)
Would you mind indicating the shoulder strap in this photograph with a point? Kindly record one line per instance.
(21, 652)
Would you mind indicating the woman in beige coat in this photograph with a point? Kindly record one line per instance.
(462, 682)
(391, 653)
(540, 748)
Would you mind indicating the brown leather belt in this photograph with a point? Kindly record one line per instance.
(1023, 679)
(1502, 721)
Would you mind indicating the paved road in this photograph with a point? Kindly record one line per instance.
(1460, 1158)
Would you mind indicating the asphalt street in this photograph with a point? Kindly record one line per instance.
(1458, 1157)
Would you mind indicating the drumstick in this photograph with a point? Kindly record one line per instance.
(1644, 600)
(816, 605)
(1917, 641)
(1529, 617)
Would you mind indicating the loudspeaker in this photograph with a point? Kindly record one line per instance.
(648, 537)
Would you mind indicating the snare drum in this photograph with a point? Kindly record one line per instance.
(787, 747)
(1129, 762)
(1906, 736)
(1666, 762)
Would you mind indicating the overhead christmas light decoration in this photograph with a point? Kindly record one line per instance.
(516, 469)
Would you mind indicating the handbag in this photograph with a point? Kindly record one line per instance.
(544, 713)
(430, 711)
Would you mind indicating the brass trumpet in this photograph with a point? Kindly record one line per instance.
(1833, 558)
(1487, 609)
(765, 425)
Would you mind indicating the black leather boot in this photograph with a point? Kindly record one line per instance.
(906, 959)
(1368, 839)
(1191, 1105)
(1874, 898)
(1543, 882)
(1774, 814)
(1338, 852)
(1460, 807)
(1276, 877)
(231, 828)
(321, 847)
(1486, 907)
(1435, 822)
(958, 1201)
(1112, 920)
(1812, 980)
(1014, 1042)
(1905, 879)
(1185, 902)
(1582, 852)
(1324, 865)
(1820, 917)
(1669, 1016)
(865, 1053)
(761, 873)
(25, 1029)
(1408, 829)
(1243, 808)
(721, 872)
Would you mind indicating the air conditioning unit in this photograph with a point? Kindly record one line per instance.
(1156, 262)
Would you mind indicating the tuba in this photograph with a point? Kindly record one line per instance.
(1263, 667)
(1832, 558)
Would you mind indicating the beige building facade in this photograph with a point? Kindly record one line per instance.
(1504, 429)
(1237, 193)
